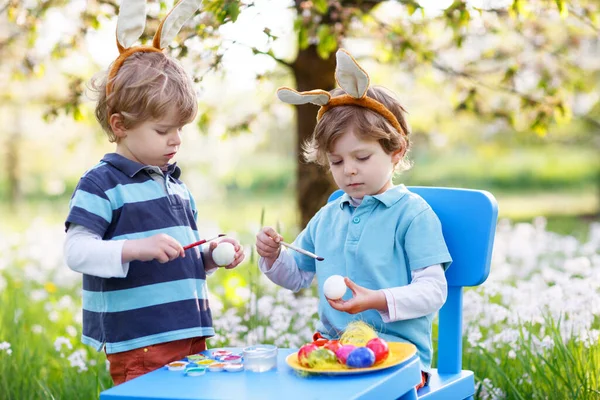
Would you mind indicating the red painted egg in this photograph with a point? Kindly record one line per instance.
(332, 345)
(380, 348)
(304, 352)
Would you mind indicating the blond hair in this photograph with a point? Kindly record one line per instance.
(365, 123)
(146, 87)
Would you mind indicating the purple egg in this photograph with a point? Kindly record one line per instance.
(361, 357)
(342, 352)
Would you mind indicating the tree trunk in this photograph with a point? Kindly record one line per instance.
(313, 182)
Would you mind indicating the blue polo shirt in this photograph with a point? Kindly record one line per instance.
(155, 303)
(376, 245)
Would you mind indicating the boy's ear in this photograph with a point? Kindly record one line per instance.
(117, 125)
(397, 156)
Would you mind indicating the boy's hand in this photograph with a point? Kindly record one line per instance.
(362, 299)
(161, 247)
(239, 254)
(267, 245)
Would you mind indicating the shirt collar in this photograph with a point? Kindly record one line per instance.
(131, 168)
(388, 198)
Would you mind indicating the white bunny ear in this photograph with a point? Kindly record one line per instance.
(350, 76)
(171, 25)
(131, 22)
(291, 96)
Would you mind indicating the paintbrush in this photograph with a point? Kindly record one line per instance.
(302, 251)
(198, 243)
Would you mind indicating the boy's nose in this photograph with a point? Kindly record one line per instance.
(175, 139)
(349, 169)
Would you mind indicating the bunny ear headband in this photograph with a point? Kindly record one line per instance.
(353, 80)
(131, 23)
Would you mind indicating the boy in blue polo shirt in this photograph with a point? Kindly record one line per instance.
(145, 299)
(386, 241)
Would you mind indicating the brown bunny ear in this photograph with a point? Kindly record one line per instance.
(130, 23)
(291, 96)
(350, 76)
(171, 25)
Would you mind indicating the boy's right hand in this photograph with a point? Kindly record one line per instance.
(267, 245)
(161, 247)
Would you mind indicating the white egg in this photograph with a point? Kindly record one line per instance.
(223, 254)
(334, 287)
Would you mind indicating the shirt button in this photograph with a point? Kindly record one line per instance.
(356, 220)
(146, 350)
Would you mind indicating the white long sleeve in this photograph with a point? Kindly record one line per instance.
(285, 272)
(425, 294)
(87, 253)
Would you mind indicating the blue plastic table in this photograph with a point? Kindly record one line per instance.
(283, 383)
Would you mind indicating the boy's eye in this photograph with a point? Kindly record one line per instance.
(363, 158)
(161, 132)
(336, 162)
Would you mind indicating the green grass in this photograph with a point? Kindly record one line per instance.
(564, 370)
(34, 369)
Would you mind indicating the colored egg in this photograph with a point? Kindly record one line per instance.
(321, 358)
(361, 357)
(304, 352)
(343, 352)
(380, 348)
(332, 345)
(320, 342)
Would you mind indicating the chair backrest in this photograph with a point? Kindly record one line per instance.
(468, 220)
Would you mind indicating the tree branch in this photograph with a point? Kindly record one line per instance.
(585, 20)
(270, 54)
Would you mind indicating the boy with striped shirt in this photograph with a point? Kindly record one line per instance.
(144, 298)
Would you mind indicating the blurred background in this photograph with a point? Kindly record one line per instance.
(501, 96)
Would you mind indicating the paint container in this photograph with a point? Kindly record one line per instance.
(196, 357)
(176, 366)
(217, 367)
(221, 353)
(195, 371)
(232, 359)
(233, 367)
(260, 358)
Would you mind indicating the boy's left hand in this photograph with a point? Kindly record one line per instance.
(362, 299)
(239, 254)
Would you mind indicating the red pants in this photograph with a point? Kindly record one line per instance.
(130, 364)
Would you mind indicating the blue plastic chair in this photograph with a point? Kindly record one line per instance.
(468, 220)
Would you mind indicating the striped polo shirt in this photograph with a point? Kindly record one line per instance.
(155, 303)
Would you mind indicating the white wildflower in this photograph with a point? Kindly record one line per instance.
(62, 341)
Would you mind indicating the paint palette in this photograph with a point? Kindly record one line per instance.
(399, 353)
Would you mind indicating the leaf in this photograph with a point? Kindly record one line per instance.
(303, 41)
(516, 8)
(327, 41)
(321, 6)
(233, 10)
(562, 113)
(77, 114)
(562, 9)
